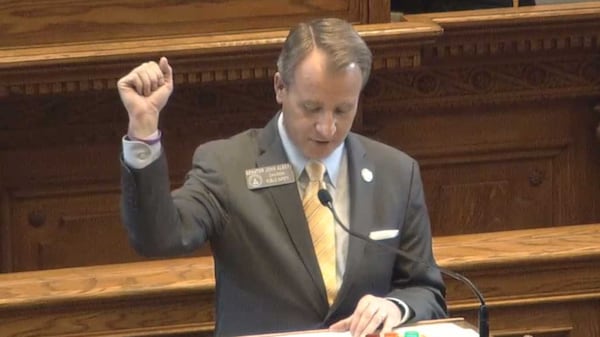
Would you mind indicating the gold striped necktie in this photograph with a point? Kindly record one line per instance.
(321, 226)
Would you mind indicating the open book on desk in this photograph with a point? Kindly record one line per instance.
(453, 327)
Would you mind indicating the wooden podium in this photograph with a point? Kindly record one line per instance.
(540, 282)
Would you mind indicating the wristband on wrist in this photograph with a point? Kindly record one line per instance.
(150, 141)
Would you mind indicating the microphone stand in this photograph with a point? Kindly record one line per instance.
(484, 329)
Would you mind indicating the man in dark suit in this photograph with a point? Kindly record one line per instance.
(245, 195)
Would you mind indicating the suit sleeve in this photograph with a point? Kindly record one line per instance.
(164, 223)
(419, 286)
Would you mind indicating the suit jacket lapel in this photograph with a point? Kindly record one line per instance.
(361, 193)
(287, 200)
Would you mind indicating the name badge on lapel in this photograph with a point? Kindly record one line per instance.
(268, 176)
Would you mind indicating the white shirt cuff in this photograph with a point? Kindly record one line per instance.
(138, 154)
(406, 310)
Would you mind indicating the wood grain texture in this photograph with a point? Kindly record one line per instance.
(35, 22)
(115, 281)
(533, 246)
(156, 298)
(500, 115)
(544, 282)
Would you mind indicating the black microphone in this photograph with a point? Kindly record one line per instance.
(484, 328)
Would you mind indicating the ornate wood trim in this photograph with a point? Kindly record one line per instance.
(97, 65)
(405, 50)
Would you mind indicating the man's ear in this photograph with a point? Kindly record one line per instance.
(279, 87)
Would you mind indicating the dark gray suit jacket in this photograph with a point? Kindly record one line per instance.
(267, 275)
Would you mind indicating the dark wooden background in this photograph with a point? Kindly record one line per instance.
(498, 108)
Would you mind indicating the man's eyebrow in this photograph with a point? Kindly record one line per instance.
(311, 102)
(346, 105)
(343, 105)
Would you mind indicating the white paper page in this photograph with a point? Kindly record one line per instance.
(439, 330)
(446, 329)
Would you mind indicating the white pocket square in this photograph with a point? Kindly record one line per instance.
(383, 234)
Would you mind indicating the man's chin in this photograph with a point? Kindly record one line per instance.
(319, 153)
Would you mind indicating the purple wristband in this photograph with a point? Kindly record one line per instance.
(151, 141)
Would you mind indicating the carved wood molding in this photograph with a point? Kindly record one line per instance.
(236, 107)
(510, 31)
(479, 83)
(97, 65)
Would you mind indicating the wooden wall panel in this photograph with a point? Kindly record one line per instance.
(35, 22)
(497, 106)
(60, 173)
(68, 228)
(489, 171)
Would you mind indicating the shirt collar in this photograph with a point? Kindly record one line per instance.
(298, 160)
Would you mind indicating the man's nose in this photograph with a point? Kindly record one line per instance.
(326, 125)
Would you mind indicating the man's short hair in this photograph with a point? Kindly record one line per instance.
(335, 37)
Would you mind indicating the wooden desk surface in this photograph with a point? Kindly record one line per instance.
(459, 252)
(463, 252)
(145, 279)
(183, 289)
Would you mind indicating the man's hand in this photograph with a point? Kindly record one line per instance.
(370, 313)
(144, 92)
